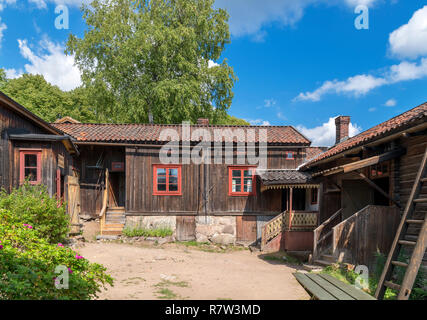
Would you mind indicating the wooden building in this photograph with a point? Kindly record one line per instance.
(365, 182)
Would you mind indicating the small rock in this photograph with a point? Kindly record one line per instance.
(106, 237)
(201, 238)
(228, 229)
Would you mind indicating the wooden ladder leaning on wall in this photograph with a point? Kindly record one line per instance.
(418, 246)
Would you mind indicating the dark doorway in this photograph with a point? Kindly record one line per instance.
(117, 190)
(379, 199)
(356, 194)
(298, 199)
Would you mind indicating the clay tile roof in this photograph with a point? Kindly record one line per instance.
(133, 133)
(405, 120)
(278, 176)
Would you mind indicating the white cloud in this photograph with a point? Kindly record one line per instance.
(372, 109)
(355, 3)
(52, 63)
(2, 28)
(41, 4)
(269, 103)
(248, 17)
(258, 122)
(13, 73)
(212, 64)
(324, 135)
(357, 85)
(390, 103)
(3, 3)
(410, 40)
(362, 84)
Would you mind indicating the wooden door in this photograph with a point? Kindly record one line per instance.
(185, 228)
(246, 228)
(73, 200)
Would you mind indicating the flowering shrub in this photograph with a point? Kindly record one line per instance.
(28, 262)
(32, 206)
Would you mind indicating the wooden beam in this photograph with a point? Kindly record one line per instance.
(376, 187)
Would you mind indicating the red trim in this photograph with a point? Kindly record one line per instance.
(167, 192)
(22, 154)
(230, 181)
(287, 153)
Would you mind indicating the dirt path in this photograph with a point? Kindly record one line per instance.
(178, 272)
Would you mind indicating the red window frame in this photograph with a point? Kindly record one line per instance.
(230, 181)
(156, 192)
(22, 167)
(290, 152)
(314, 196)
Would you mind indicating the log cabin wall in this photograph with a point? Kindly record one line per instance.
(13, 123)
(92, 180)
(198, 181)
(49, 162)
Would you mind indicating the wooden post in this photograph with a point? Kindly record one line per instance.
(290, 208)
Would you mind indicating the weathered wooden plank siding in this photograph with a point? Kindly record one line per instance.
(370, 230)
(197, 181)
(10, 123)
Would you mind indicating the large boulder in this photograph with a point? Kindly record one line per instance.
(223, 239)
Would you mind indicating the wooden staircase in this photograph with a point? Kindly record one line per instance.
(114, 221)
(417, 245)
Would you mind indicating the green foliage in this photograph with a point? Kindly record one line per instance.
(141, 232)
(231, 120)
(152, 57)
(28, 262)
(31, 204)
(47, 101)
(349, 276)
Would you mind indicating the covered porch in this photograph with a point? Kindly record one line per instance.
(292, 230)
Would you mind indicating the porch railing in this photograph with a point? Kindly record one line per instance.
(320, 237)
(295, 221)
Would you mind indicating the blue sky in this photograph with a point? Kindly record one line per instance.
(299, 62)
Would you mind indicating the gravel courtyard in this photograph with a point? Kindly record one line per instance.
(180, 272)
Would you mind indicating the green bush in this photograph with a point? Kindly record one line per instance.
(32, 204)
(28, 262)
(141, 232)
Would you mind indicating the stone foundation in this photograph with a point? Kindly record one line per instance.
(216, 229)
(151, 222)
(220, 230)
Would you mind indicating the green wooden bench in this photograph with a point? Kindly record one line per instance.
(325, 287)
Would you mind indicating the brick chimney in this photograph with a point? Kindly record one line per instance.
(342, 124)
(203, 121)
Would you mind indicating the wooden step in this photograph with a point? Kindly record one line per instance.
(114, 225)
(323, 263)
(411, 221)
(420, 200)
(328, 257)
(407, 243)
(112, 232)
(392, 285)
(400, 264)
(423, 180)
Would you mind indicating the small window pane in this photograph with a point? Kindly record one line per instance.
(173, 187)
(161, 187)
(161, 180)
(248, 173)
(237, 188)
(237, 181)
(173, 180)
(161, 171)
(31, 173)
(30, 160)
(173, 172)
(237, 173)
